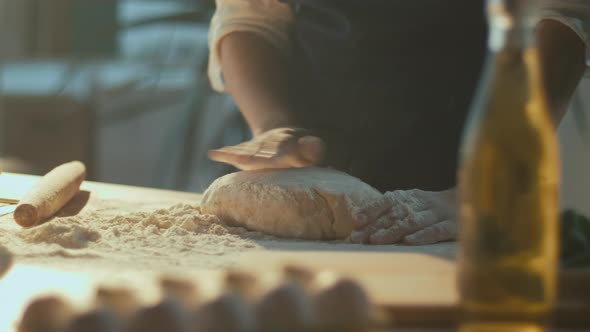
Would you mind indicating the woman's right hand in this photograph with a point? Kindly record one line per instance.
(277, 148)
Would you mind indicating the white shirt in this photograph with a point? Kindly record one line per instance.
(271, 20)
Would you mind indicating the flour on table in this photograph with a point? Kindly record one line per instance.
(308, 203)
(178, 236)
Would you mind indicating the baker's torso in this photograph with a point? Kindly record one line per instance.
(388, 83)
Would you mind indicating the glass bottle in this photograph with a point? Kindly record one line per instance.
(509, 179)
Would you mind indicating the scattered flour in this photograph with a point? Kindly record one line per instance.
(178, 236)
(73, 236)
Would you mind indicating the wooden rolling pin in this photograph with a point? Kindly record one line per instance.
(50, 194)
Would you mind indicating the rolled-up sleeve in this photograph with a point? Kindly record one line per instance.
(573, 13)
(270, 19)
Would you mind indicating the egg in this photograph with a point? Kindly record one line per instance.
(341, 304)
(228, 313)
(120, 300)
(168, 315)
(285, 307)
(100, 320)
(183, 291)
(46, 314)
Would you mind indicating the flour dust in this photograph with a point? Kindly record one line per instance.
(179, 236)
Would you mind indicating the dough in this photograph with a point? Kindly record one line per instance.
(304, 203)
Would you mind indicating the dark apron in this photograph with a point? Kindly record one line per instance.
(388, 83)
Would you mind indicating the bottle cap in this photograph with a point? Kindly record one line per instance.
(513, 14)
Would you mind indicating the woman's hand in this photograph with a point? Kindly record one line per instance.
(412, 217)
(276, 148)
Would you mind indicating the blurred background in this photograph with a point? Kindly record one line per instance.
(118, 84)
(122, 86)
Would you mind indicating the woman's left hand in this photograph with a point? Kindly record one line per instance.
(413, 217)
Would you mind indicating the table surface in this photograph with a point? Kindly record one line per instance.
(43, 279)
(24, 282)
(14, 186)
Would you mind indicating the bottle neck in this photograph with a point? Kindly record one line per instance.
(515, 37)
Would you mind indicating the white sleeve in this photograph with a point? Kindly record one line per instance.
(270, 19)
(573, 13)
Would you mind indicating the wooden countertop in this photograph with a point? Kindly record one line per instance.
(394, 277)
(24, 281)
(14, 186)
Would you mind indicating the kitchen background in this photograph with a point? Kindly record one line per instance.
(122, 86)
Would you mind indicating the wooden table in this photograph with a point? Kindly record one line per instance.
(416, 283)
(14, 186)
(25, 281)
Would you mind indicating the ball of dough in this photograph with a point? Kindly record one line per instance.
(304, 203)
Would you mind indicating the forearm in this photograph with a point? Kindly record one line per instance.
(562, 55)
(256, 75)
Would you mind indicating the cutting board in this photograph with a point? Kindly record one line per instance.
(414, 288)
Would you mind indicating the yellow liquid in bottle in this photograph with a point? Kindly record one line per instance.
(502, 327)
(508, 188)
